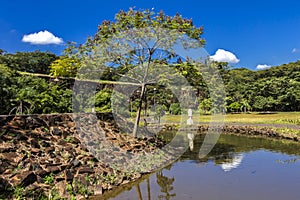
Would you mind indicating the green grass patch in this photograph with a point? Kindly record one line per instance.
(249, 118)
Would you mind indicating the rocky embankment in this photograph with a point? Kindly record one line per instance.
(41, 156)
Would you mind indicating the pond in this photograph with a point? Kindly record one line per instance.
(238, 168)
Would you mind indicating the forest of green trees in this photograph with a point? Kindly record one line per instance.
(274, 89)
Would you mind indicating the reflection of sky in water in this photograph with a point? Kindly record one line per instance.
(258, 170)
(233, 164)
(260, 178)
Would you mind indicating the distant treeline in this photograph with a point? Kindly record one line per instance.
(274, 89)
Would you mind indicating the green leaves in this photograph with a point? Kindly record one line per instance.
(103, 100)
(274, 89)
(65, 67)
(34, 62)
(30, 95)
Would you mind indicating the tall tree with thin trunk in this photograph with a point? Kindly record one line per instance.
(138, 42)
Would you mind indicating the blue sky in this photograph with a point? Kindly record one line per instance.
(256, 32)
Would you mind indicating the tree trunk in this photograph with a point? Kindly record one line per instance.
(138, 114)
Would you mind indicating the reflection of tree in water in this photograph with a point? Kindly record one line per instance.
(221, 152)
(139, 193)
(166, 185)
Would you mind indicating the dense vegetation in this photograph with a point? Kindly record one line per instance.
(21, 94)
(274, 89)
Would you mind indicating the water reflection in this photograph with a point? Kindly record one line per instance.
(191, 137)
(166, 185)
(253, 163)
(233, 164)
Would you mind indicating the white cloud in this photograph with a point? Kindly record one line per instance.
(263, 66)
(222, 55)
(294, 50)
(42, 37)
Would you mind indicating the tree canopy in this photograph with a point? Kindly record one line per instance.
(34, 62)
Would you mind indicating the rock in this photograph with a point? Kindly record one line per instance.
(45, 144)
(69, 175)
(35, 150)
(12, 157)
(25, 178)
(60, 151)
(83, 170)
(98, 189)
(125, 182)
(4, 148)
(75, 140)
(4, 184)
(3, 166)
(34, 143)
(41, 172)
(75, 163)
(56, 131)
(62, 189)
(49, 150)
(62, 142)
(52, 169)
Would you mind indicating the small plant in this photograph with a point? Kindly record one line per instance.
(69, 139)
(71, 191)
(49, 179)
(18, 192)
(151, 144)
(54, 194)
(44, 129)
(18, 168)
(65, 155)
(83, 189)
(87, 178)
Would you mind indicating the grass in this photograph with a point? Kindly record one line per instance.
(248, 118)
(285, 118)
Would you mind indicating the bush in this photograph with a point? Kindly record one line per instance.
(175, 109)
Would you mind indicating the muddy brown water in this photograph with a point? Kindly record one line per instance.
(238, 167)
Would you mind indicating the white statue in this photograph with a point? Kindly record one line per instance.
(190, 120)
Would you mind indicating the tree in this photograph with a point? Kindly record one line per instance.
(175, 109)
(235, 106)
(6, 82)
(260, 102)
(103, 100)
(159, 112)
(245, 106)
(36, 95)
(139, 43)
(205, 105)
(65, 67)
(34, 62)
